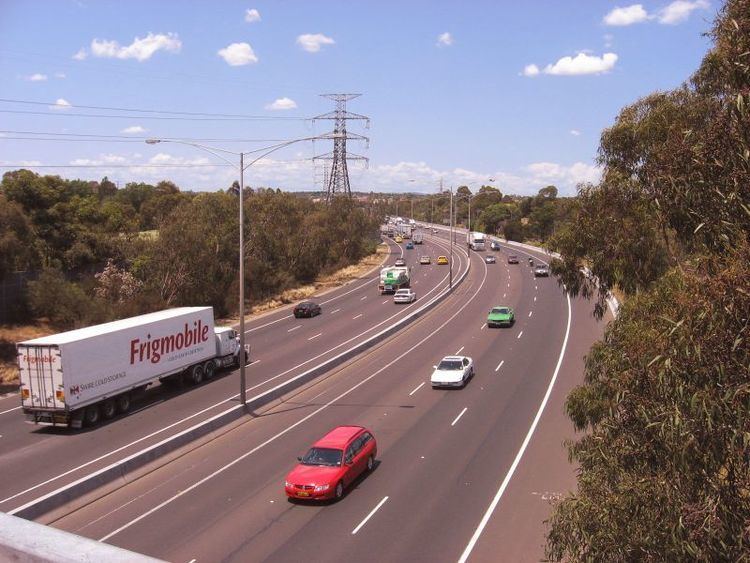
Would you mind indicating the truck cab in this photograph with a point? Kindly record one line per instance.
(228, 346)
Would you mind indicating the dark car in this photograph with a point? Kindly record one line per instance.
(494, 245)
(512, 259)
(307, 309)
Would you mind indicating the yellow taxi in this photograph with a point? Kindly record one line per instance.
(442, 260)
(399, 238)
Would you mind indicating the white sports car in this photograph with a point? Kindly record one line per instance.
(452, 371)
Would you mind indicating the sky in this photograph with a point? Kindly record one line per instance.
(513, 94)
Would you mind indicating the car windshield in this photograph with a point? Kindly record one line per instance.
(450, 364)
(402, 292)
(323, 456)
(500, 310)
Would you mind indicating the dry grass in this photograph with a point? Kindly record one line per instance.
(9, 335)
(334, 279)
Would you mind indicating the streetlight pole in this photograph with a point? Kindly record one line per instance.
(265, 152)
(450, 263)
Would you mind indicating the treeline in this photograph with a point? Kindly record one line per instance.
(518, 218)
(100, 252)
(664, 460)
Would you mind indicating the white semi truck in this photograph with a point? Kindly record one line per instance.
(476, 241)
(80, 376)
(393, 278)
(417, 238)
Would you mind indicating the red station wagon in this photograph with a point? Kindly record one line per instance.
(332, 464)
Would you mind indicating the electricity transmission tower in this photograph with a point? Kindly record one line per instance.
(337, 180)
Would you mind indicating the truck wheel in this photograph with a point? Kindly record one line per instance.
(109, 409)
(91, 415)
(209, 369)
(195, 375)
(123, 402)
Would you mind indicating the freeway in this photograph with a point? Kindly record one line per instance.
(37, 461)
(460, 473)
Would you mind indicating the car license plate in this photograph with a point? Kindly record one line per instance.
(303, 494)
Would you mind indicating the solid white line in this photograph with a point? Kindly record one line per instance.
(336, 311)
(294, 328)
(500, 365)
(530, 312)
(459, 416)
(313, 337)
(9, 410)
(519, 455)
(293, 426)
(417, 388)
(520, 334)
(373, 511)
(459, 351)
(353, 318)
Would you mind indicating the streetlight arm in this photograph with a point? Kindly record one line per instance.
(211, 150)
(275, 148)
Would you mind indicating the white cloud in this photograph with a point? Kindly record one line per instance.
(575, 132)
(582, 64)
(60, 75)
(282, 103)
(530, 70)
(563, 176)
(103, 159)
(252, 15)
(37, 77)
(626, 16)
(444, 40)
(238, 54)
(141, 49)
(81, 54)
(60, 104)
(312, 42)
(133, 129)
(680, 10)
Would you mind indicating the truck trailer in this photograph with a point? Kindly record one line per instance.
(417, 238)
(80, 376)
(393, 278)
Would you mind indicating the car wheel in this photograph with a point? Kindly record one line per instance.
(339, 491)
(370, 463)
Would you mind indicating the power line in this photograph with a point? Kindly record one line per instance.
(68, 114)
(194, 113)
(129, 138)
(113, 165)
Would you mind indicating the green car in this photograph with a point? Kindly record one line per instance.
(500, 316)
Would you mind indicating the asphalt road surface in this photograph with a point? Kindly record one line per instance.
(461, 473)
(37, 460)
